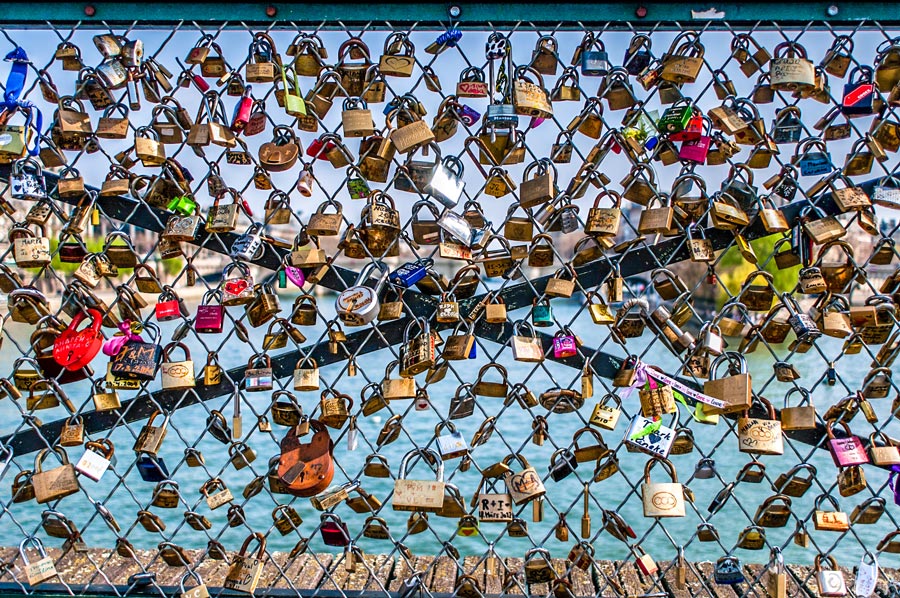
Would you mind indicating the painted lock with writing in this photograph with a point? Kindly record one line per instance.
(662, 499)
(419, 495)
(359, 305)
(177, 375)
(525, 485)
(760, 435)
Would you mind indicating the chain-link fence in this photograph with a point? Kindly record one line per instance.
(540, 259)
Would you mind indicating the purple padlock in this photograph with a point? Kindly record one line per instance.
(468, 115)
(846, 451)
(295, 275)
(210, 316)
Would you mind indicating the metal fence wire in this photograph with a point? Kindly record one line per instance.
(573, 310)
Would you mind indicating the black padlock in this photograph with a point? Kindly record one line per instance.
(562, 463)
(804, 326)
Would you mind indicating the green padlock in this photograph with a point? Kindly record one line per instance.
(676, 118)
(184, 205)
(541, 313)
(358, 188)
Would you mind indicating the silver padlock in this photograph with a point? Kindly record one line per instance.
(360, 304)
(446, 184)
(133, 53)
(568, 218)
(803, 326)
(249, 246)
(26, 180)
(502, 115)
(112, 73)
(98, 456)
(452, 445)
(712, 341)
(456, 226)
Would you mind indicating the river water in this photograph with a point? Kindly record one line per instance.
(125, 495)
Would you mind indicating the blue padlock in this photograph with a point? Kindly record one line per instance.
(728, 571)
(594, 59)
(541, 313)
(502, 115)
(812, 158)
(152, 470)
(411, 272)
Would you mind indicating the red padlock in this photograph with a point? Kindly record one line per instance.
(564, 345)
(210, 316)
(693, 130)
(320, 149)
(334, 531)
(74, 349)
(846, 451)
(170, 306)
(645, 562)
(696, 150)
(202, 85)
(242, 111)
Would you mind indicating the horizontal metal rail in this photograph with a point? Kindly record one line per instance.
(562, 16)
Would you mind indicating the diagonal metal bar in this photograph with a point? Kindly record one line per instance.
(359, 343)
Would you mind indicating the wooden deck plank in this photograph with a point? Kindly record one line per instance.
(366, 572)
(443, 573)
(337, 573)
(313, 572)
(582, 583)
(469, 567)
(514, 568)
(757, 579)
(705, 581)
(494, 572)
(802, 574)
(667, 570)
(606, 578)
(96, 566)
(382, 570)
(402, 570)
(633, 581)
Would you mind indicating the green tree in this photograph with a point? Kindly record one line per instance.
(733, 269)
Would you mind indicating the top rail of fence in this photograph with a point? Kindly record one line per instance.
(560, 16)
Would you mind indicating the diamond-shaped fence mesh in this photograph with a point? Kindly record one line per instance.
(515, 254)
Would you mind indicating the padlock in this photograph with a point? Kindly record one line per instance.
(245, 570)
(830, 581)
(847, 450)
(650, 436)
(98, 456)
(42, 569)
(734, 389)
(662, 499)
(216, 493)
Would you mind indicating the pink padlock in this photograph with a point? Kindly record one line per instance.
(210, 316)
(564, 345)
(696, 150)
(846, 451)
(294, 274)
(242, 111)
